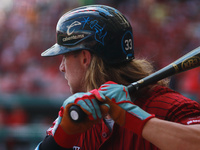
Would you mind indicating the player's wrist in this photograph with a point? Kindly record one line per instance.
(136, 124)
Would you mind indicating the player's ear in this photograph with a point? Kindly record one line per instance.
(86, 57)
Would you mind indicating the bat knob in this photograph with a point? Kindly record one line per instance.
(76, 113)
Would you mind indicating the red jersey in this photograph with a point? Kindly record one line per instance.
(165, 103)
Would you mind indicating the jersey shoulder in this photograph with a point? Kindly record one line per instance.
(168, 104)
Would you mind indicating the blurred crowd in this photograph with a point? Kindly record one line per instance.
(163, 31)
(27, 29)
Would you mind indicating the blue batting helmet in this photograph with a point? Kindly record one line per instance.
(100, 29)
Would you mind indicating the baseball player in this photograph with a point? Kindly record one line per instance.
(96, 43)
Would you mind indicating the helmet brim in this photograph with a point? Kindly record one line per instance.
(55, 50)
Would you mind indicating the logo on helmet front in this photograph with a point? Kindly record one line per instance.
(75, 23)
(73, 37)
(81, 29)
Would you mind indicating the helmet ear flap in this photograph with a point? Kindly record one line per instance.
(100, 29)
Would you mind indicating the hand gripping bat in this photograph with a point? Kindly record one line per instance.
(188, 61)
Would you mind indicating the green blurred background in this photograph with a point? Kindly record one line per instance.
(31, 87)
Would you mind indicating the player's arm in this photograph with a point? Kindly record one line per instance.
(165, 135)
(168, 135)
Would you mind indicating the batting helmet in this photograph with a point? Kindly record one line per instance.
(100, 29)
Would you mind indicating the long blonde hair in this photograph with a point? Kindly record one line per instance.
(125, 73)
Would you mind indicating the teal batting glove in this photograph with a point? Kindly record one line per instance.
(122, 109)
(65, 131)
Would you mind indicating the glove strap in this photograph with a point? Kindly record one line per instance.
(65, 140)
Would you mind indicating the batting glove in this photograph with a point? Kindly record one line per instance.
(65, 131)
(122, 110)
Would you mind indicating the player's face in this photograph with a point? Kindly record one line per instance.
(74, 71)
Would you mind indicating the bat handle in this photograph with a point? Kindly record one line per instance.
(76, 113)
(133, 87)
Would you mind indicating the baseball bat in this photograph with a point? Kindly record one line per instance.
(188, 61)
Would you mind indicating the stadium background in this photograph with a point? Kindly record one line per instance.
(31, 87)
